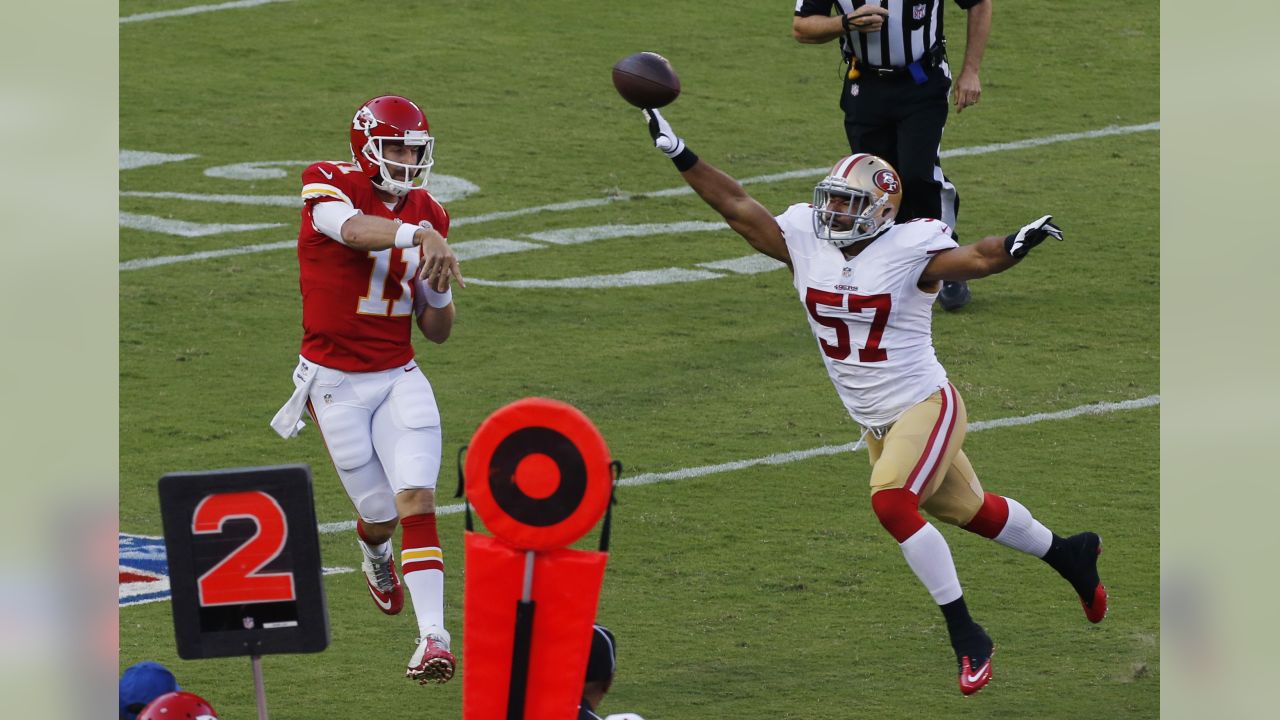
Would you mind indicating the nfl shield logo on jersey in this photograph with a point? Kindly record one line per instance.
(917, 11)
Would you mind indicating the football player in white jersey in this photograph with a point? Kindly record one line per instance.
(868, 286)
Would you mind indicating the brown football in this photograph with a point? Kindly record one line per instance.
(646, 80)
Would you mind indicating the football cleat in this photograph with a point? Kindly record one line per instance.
(384, 584)
(954, 295)
(432, 661)
(1086, 547)
(973, 656)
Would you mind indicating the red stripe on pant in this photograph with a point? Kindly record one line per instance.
(990, 518)
(924, 469)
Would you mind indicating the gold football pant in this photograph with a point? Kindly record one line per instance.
(922, 453)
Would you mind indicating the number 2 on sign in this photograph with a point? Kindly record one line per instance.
(871, 351)
(235, 580)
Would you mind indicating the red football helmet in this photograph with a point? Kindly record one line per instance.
(179, 705)
(391, 118)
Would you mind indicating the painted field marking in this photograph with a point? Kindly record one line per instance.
(195, 10)
(134, 159)
(183, 228)
(292, 201)
(141, 263)
(1100, 408)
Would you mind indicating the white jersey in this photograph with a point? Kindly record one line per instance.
(872, 323)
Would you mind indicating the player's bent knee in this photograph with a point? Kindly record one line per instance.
(898, 510)
(377, 509)
(953, 509)
(382, 530)
(991, 518)
(951, 515)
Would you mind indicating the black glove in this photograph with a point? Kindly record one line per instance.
(664, 138)
(1031, 235)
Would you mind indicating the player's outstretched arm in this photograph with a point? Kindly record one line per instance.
(725, 195)
(990, 255)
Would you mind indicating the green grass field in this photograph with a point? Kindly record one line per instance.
(760, 593)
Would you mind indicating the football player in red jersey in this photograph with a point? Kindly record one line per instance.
(373, 262)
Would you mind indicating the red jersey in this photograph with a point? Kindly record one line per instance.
(357, 305)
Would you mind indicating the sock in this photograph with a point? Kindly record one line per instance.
(929, 557)
(923, 546)
(1009, 523)
(956, 614)
(1071, 560)
(422, 563)
(373, 551)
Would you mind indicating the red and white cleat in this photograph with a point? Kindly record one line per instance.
(973, 656)
(384, 584)
(1096, 609)
(972, 680)
(432, 662)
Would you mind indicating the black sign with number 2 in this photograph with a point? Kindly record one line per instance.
(244, 562)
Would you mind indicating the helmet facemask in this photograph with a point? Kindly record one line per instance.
(399, 178)
(844, 215)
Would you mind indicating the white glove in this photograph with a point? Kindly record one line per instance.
(1031, 235)
(664, 138)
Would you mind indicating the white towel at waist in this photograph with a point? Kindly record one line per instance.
(288, 421)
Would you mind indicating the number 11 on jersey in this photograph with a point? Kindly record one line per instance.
(871, 351)
(375, 302)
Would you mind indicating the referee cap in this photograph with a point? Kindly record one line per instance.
(603, 661)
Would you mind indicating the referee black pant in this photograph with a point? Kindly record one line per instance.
(902, 122)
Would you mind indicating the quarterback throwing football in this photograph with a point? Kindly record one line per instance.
(868, 286)
(373, 262)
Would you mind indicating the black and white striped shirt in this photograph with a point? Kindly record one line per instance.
(912, 29)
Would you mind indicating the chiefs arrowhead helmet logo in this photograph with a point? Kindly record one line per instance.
(364, 119)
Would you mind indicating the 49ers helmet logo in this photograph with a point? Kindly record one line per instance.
(887, 181)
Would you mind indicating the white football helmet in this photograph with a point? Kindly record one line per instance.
(857, 200)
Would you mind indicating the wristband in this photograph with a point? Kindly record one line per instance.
(404, 236)
(1008, 244)
(685, 160)
(438, 299)
(845, 23)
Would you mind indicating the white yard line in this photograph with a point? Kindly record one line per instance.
(206, 255)
(183, 228)
(195, 10)
(669, 192)
(1101, 408)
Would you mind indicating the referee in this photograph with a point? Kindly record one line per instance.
(896, 83)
